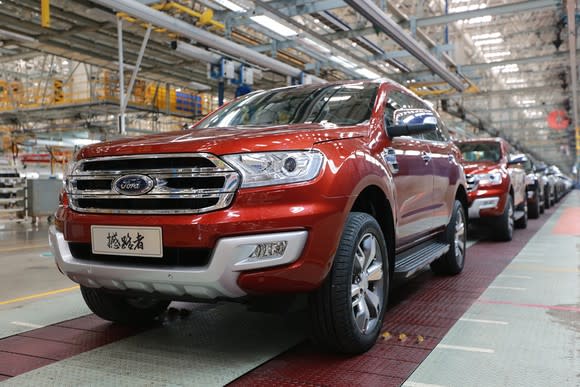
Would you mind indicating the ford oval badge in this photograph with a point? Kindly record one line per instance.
(133, 185)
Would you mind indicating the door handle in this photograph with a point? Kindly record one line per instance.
(426, 156)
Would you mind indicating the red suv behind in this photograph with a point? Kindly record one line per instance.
(497, 185)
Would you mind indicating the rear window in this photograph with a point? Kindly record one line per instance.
(480, 151)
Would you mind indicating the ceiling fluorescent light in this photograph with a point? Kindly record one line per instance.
(315, 45)
(481, 19)
(491, 35)
(343, 62)
(363, 72)
(273, 25)
(230, 5)
(496, 54)
(488, 41)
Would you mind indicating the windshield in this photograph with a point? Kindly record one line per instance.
(480, 151)
(340, 105)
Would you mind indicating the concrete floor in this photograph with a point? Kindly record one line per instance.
(523, 330)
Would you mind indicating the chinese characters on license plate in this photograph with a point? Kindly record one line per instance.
(137, 241)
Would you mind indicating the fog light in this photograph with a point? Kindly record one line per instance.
(269, 250)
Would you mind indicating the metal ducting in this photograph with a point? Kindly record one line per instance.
(375, 15)
(160, 19)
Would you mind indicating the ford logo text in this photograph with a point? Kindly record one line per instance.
(133, 185)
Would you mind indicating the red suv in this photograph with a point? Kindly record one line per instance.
(329, 190)
(497, 185)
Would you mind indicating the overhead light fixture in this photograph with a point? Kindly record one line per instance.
(315, 45)
(274, 26)
(343, 62)
(17, 36)
(231, 5)
(364, 72)
(528, 101)
(485, 42)
(491, 35)
(509, 68)
(496, 54)
(199, 86)
(479, 20)
(514, 80)
(464, 8)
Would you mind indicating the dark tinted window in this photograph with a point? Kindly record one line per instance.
(340, 105)
(480, 151)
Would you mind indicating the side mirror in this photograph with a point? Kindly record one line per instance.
(409, 122)
(518, 159)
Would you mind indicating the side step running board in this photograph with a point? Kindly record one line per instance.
(409, 262)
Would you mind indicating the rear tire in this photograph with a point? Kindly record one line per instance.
(523, 221)
(347, 310)
(456, 236)
(122, 309)
(504, 224)
(535, 209)
(547, 201)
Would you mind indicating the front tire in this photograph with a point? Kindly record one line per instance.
(504, 224)
(347, 310)
(456, 236)
(122, 309)
(523, 221)
(535, 209)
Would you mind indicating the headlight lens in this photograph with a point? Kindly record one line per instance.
(493, 178)
(270, 168)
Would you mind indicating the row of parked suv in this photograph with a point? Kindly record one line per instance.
(329, 191)
(505, 187)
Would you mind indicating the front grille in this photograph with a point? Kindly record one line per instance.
(182, 183)
(172, 256)
(471, 182)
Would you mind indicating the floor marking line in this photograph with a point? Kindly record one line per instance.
(25, 324)
(419, 384)
(505, 288)
(515, 276)
(7, 250)
(528, 260)
(540, 306)
(467, 349)
(483, 321)
(39, 295)
(515, 266)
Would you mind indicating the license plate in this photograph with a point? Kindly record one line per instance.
(118, 240)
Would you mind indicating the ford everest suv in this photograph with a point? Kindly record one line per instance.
(326, 190)
(497, 185)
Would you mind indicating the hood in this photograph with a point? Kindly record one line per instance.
(220, 141)
(482, 167)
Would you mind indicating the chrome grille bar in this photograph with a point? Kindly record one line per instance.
(195, 190)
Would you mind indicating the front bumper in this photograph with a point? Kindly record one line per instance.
(475, 210)
(219, 279)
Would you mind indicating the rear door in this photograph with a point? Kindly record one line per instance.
(413, 175)
(445, 173)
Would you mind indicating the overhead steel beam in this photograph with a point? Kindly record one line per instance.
(288, 8)
(516, 108)
(375, 15)
(524, 6)
(558, 56)
(163, 20)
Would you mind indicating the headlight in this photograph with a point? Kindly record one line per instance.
(270, 168)
(493, 178)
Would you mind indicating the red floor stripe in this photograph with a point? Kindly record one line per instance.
(420, 313)
(569, 222)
